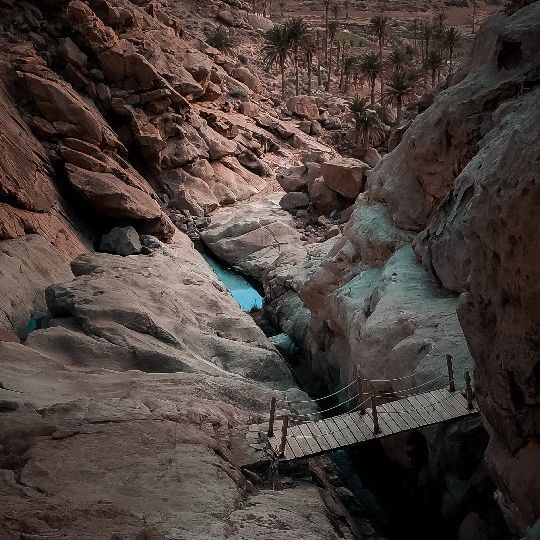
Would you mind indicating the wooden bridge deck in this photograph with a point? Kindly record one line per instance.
(317, 437)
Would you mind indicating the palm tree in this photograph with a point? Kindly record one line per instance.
(427, 33)
(277, 50)
(400, 85)
(348, 66)
(318, 38)
(451, 40)
(297, 29)
(332, 29)
(433, 63)
(327, 4)
(371, 68)
(398, 59)
(335, 11)
(309, 47)
(379, 27)
(366, 123)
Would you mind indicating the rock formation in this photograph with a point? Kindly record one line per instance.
(132, 387)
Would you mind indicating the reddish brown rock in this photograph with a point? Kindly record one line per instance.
(345, 176)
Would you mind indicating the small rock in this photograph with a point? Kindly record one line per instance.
(122, 241)
(334, 230)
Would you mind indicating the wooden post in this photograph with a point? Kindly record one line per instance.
(284, 435)
(361, 394)
(272, 417)
(376, 428)
(468, 391)
(452, 386)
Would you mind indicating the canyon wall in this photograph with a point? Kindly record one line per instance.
(451, 210)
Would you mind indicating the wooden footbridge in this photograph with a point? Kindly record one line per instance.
(377, 414)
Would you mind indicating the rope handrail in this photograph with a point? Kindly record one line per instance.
(412, 387)
(352, 410)
(409, 376)
(324, 397)
(307, 415)
(406, 396)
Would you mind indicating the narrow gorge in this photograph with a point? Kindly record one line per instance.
(228, 226)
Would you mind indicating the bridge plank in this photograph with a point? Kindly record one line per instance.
(323, 437)
(336, 440)
(427, 402)
(288, 453)
(443, 398)
(296, 434)
(292, 442)
(362, 426)
(355, 430)
(316, 436)
(400, 416)
(388, 417)
(384, 429)
(418, 406)
(346, 432)
(413, 418)
(436, 398)
(461, 402)
(309, 440)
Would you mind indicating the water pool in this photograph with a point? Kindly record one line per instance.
(242, 291)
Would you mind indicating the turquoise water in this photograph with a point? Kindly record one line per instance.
(246, 296)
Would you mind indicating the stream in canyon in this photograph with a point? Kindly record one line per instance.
(241, 290)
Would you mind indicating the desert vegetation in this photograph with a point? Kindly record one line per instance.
(380, 61)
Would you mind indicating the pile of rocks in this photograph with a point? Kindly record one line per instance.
(323, 189)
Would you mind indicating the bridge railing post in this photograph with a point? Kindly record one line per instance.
(468, 391)
(272, 417)
(284, 429)
(451, 383)
(376, 428)
(360, 389)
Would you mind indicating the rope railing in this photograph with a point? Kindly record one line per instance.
(372, 397)
(322, 398)
(394, 392)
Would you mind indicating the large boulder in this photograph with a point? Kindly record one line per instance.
(298, 178)
(323, 199)
(304, 107)
(121, 241)
(247, 77)
(294, 200)
(345, 176)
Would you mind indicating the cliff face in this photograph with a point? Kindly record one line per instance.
(461, 189)
(127, 417)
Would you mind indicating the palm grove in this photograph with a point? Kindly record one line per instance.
(398, 69)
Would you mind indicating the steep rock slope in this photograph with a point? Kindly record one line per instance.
(128, 416)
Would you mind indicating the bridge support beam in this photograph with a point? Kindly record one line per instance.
(376, 428)
(284, 429)
(272, 417)
(451, 383)
(468, 391)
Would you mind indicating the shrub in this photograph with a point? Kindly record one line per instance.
(221, 39)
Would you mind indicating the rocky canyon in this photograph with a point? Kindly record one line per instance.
(367, 172)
